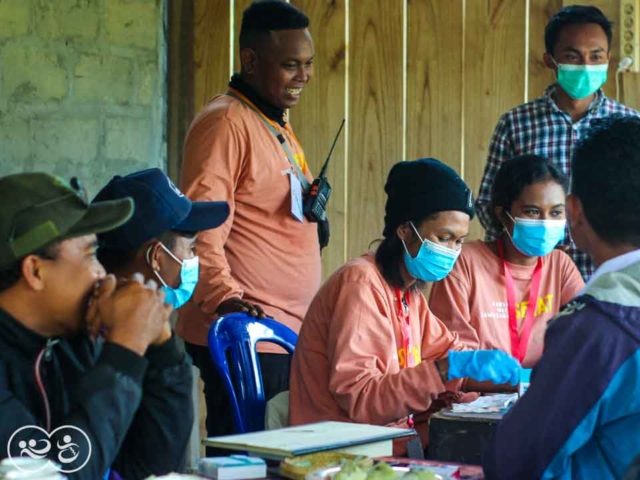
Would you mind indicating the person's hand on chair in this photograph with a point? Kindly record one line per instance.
(235, 304)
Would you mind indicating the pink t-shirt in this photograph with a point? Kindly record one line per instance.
(350, 360)
(472, 299)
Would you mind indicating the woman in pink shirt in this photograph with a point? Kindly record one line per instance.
(502, 293)
(368, 346)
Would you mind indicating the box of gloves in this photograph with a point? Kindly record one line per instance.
(232, 467)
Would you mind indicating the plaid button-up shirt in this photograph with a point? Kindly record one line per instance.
(541, 128)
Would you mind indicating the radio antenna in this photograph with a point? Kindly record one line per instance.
(335, 140)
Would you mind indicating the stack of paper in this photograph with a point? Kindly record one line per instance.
(486, 404)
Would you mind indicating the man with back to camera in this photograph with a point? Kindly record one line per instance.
(580, 417)
(265, 259)
(578, 49)
(128, 389)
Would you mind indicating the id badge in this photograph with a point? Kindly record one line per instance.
(296, 197)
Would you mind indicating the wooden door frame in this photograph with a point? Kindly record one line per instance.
(180, 80)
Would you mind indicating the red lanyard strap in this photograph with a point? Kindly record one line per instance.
(405, 326)
(403, 304)
(520, 342)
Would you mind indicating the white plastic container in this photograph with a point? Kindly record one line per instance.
(23, 468)
(232, 467)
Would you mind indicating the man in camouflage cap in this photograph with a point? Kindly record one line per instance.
(77, 350)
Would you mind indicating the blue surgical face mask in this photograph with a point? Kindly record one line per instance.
(536, 238)
(188, 280)
(580, 81)
(432, 263)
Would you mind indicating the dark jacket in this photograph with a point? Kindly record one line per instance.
(580, 418)
(136, 411)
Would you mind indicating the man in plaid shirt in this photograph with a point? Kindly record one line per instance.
(577, 42)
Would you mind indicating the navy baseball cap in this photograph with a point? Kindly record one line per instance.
(159, 207)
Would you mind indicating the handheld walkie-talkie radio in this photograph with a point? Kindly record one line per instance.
(315, 203)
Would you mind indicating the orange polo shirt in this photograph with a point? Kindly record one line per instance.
(350, 360)
(261, 253)
(472, 299)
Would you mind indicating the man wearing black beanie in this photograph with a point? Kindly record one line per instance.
(369, 350)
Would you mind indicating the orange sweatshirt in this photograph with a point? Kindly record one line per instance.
(261, 253)
(350, 361)
(472, 299)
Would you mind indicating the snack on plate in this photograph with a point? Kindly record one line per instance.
(298, 467)
(381, 471)
(350, 470)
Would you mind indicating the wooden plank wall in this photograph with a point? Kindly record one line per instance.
(211, 54)
(324, 103)
(539, 76)
(434, 85)
(494, 77)
(413, 78)
(375, 115)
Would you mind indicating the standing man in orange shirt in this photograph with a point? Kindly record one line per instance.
(265, 259)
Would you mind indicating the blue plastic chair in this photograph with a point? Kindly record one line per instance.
(234, 336)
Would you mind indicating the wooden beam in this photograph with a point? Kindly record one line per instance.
(180, 80)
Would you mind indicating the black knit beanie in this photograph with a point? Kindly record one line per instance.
(416, 189)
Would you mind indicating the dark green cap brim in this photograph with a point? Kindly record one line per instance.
(98, 218)
(41, 209)
(102, 217)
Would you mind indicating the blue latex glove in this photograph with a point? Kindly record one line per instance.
(484, 365)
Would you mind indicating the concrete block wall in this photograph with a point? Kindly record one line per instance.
(82, 87)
